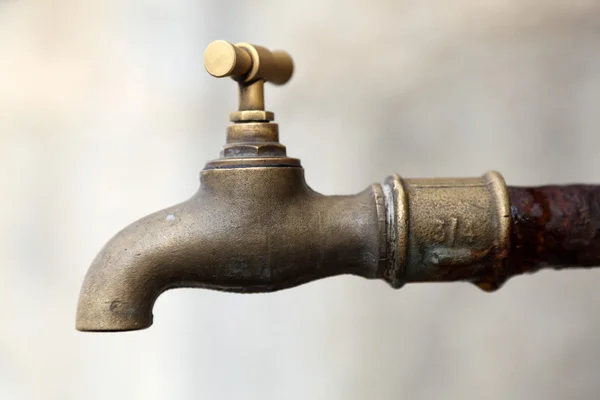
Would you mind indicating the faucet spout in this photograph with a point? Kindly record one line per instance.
(136, 265)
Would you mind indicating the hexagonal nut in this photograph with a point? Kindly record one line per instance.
(243, 150)
(251, 115)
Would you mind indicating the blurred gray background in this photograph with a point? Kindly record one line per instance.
(107, 114)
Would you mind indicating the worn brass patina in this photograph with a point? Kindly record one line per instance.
(256, 226)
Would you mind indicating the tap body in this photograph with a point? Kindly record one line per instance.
(253, 229)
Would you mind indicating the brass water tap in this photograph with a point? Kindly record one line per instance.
(254, 225)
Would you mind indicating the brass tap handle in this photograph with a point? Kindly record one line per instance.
(248, 63)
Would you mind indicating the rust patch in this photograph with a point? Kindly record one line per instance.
(553, 227)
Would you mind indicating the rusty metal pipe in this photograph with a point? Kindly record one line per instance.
(554, 227)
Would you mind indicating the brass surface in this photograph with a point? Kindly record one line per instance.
(254, 225)
(247, 63)
(251, 116)
(222, 163)
(246, 230)
(252, 133)
(252, 96)
(253, 228)
(264, 149)
(446, 229)
(223, 59)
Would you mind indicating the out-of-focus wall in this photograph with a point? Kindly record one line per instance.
(106, 114)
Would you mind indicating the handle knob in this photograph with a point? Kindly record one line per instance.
(247, 63)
